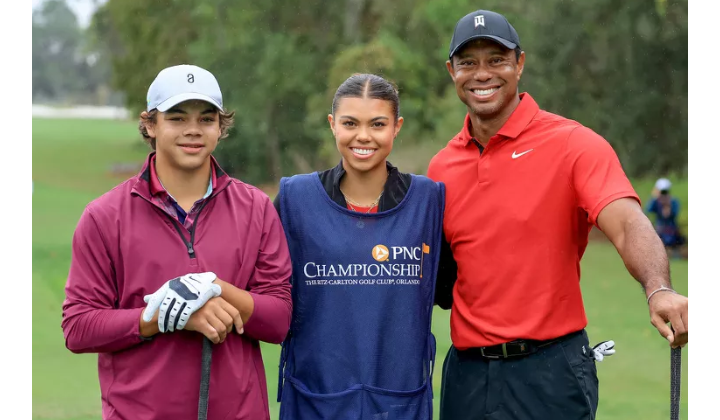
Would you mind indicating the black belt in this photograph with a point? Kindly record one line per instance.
(515, 348)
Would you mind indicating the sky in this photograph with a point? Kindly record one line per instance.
(83, 9)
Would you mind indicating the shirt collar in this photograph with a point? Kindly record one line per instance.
(157, 187)
(514, 126)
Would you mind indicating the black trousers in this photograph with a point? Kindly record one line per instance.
(558, 382)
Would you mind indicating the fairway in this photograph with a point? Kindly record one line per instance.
(74, 161)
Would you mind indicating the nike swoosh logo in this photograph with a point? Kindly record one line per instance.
(517, 155)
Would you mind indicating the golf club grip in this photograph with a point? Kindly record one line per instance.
(205, 378)
(675, 372)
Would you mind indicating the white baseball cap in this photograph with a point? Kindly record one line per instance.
(183, 83)
(663, 184)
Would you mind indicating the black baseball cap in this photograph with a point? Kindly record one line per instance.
(483, 24)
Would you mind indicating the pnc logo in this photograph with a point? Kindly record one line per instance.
(380, 253)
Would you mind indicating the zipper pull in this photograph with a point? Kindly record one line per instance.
(191, 251)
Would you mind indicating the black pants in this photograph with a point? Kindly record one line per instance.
(558, 382)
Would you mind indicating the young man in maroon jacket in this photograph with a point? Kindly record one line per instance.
(206, 252)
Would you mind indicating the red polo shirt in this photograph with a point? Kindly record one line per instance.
(517, 217)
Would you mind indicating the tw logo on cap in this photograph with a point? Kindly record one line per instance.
(479, 21)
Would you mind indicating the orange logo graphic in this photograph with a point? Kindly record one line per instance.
(380, 253)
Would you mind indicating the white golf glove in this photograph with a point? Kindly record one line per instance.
(178, 298)
(606, 348)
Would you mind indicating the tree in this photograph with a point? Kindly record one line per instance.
(618, 67)
(64, 69)
(56, 38)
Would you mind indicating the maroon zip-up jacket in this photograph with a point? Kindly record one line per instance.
(124, 247)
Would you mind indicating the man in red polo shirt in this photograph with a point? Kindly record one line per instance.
(524, 187)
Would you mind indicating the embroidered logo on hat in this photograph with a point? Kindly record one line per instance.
(180, 83)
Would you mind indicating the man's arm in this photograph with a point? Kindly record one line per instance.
(603, 190)
(266, 307)
(91, 322)
(644, 256)
(446, 277)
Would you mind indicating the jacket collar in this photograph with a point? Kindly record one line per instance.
(148, 184)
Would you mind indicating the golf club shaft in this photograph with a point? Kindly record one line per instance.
(675, 372)
(205, 378)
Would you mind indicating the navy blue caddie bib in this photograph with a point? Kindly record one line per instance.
(360, 345)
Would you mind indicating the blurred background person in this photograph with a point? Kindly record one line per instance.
(665, 209)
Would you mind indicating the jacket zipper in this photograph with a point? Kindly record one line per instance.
(189, 244)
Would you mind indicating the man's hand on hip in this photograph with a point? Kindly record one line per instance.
(668, 306)
(179, 298)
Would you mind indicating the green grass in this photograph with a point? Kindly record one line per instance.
(72, 161)
(71, 166)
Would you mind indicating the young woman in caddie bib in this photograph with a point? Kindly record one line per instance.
(364, 241)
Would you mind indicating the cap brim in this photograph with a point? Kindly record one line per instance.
(505, 43)
(174, 100)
